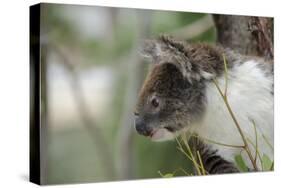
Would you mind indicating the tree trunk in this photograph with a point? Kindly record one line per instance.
(246, 34)
(135, 77)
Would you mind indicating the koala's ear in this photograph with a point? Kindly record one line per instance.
(151, 49)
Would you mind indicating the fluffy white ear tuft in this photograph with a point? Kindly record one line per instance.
(166, 50)
(151, 49)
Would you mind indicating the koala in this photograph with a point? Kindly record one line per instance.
(179, 95)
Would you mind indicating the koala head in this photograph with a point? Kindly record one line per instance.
(173, 94)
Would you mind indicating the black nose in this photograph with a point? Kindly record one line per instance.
(141, 127)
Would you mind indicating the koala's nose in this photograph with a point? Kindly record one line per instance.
(141, 127)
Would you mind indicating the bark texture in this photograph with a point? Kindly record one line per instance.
(246, 34)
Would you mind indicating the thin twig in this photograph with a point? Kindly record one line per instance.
(256, 139)
(257, 151)
(225, 99)
(268, 143)
(190, 155)
(201, 163)
(246, 147)
(186, 173)
(218, 143)
(225, 75)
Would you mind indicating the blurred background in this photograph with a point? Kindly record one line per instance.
(91, 75)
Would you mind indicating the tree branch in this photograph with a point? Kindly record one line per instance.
(103, 148)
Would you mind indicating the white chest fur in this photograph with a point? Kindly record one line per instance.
(249, 95)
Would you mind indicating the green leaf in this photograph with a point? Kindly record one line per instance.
(240, 163)
(266, 163)
(168, 175)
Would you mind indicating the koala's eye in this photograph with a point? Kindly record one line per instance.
(155, 102)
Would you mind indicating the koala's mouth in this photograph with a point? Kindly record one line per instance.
(161, 134)
(169, 128)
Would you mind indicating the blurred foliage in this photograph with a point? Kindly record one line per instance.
(153, 157)
(56, 26)
(207, 36)
(169, 21)
(72, 158)
(71, 152)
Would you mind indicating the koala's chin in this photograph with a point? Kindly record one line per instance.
(162, 134)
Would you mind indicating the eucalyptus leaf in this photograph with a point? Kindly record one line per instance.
(266, 163)
(241, 163)
(169, 175)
